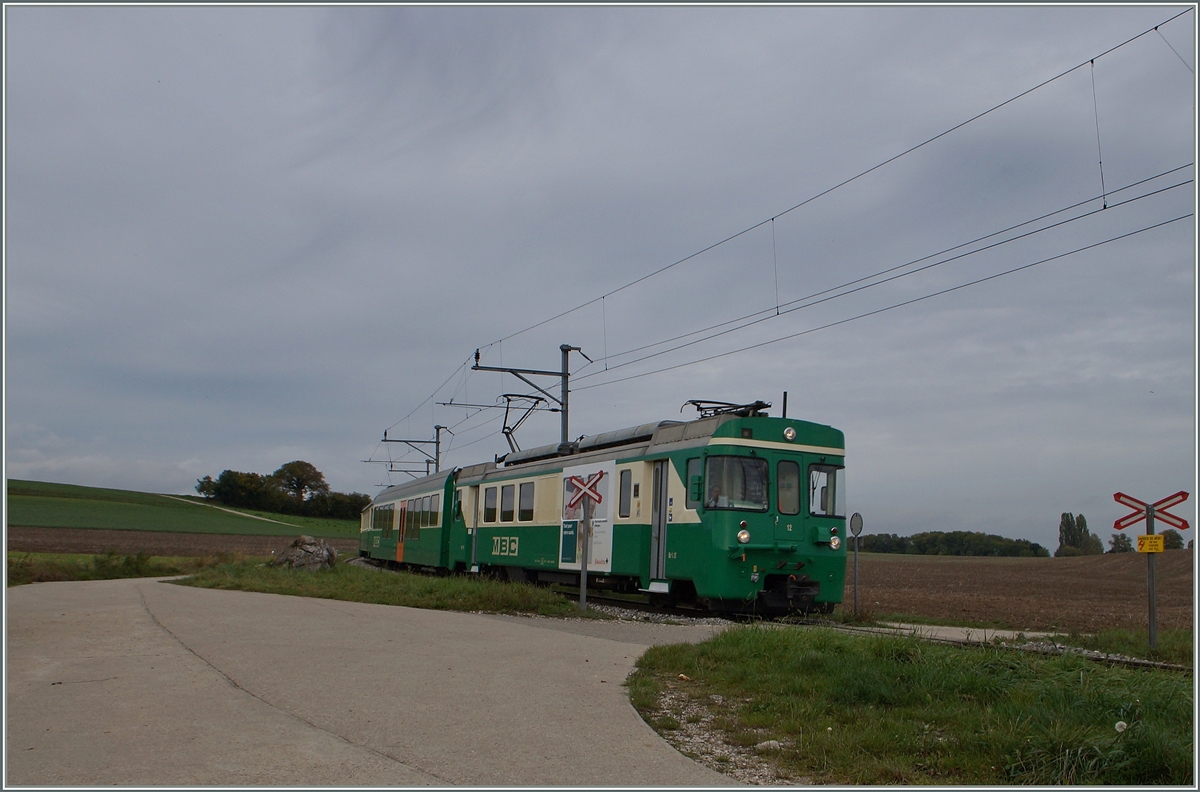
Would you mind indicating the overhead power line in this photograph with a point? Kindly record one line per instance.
(793, 208)
(887, 308)
(845, 182)
(768, 314)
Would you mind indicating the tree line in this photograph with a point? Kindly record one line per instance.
(957, 543)
(1074, 539)
(295, 488)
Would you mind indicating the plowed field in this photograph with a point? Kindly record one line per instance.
(1086, 594)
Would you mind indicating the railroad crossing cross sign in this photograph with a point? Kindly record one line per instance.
(585, 489)
(1151, 543)
(1158, 510)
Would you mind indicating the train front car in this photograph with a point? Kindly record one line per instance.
(770, 494)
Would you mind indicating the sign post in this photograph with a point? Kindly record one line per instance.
(587, 496)
(585, 527)
(856, 524)
(1151, 543)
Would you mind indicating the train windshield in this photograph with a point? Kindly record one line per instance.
(826, 491)
(736, 482)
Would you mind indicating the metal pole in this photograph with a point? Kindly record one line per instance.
(1151, 594)
(437, 448)
(585, 528)
(566, 351)
(856, 577)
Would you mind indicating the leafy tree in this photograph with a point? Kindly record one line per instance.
(301, 480)
(1120, 543)
(207, 487)
(1172, 539)
(1074, 539)
(295, 488)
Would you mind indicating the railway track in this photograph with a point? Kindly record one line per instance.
(653, 612)
(1045, 647)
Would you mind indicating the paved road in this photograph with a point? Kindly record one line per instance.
(138, 682)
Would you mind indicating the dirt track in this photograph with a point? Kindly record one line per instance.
(1086, 594)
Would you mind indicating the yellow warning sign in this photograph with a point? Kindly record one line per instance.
(1150, 543)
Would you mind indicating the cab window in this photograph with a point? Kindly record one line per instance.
(826, 496)
(736, 482)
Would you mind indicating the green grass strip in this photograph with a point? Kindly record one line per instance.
(25, 568)
(357, 584)
(894, 710)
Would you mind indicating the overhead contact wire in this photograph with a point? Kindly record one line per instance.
(765, 314)
(887, 308)
(841, 184)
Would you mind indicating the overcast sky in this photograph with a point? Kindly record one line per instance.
(239, 236)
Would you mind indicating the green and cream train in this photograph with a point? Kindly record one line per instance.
(733, 512)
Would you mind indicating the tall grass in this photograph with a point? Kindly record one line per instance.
(894, 710)
(25, 568)
(357, 584)
(1174, 646)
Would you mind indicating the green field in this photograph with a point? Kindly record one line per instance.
(38, 504)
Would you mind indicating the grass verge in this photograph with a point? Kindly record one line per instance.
(891, 710)
(357, 584)
(1174, 646)
(26, 568)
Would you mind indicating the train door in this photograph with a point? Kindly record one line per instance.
(473, 528)
(658, 521)
(401, 514)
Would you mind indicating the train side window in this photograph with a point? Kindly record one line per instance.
(626, 490)
(693, 469)
(434, 508)
(788, 486)
(425, 511)
(414, 519)
(526, 504)
(382, 520)
(489, 505)
(507, 496)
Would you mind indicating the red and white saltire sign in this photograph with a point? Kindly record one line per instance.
(1160, 510)
(586, 489)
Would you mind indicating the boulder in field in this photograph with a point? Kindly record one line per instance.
(307, 552)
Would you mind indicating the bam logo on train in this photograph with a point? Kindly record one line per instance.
(587, 499)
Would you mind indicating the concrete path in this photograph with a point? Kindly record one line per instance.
(138, 682)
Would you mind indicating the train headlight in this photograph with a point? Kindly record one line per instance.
(744, 536)
(789, 434)
(835, 542)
